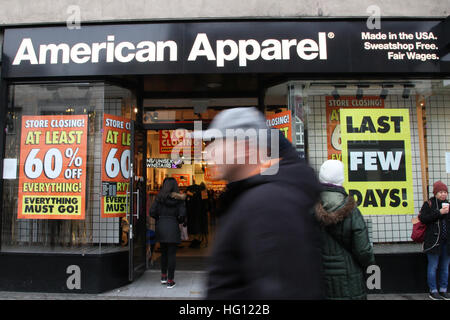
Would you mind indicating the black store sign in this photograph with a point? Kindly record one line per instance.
(379, 160)
(227, 47)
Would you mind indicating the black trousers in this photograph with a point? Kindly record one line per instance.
(168, 259)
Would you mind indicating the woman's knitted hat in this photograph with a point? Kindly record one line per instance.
(332, 172)
(439, 186)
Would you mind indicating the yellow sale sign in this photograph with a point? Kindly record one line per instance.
(115, 165)
(376, 152)
(52, 173)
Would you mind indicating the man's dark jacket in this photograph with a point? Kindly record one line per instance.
(267, 245)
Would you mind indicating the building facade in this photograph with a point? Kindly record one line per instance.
(96, 97)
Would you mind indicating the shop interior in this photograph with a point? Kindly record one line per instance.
(170, 109)
(195, 178)
(277, 98)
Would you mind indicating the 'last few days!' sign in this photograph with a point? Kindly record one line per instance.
(52, 178)
(376, 151)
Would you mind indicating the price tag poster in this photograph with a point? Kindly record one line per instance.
(52, 169)
(333, 125)
(116, 164)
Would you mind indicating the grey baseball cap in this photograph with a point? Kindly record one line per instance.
(226, 122)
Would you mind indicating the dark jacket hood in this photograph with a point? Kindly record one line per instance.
(296, 175)
(335, 205)
(173, 199)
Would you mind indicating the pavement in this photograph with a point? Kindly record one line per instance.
(190, 285)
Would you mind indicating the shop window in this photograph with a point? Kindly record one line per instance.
(186, 111)
(428, 105)
(50, 233)
(284, 109)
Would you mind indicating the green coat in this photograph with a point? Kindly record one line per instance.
(346, 249)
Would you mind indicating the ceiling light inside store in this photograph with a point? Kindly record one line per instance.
(359, 93)
(335, 94)
(384, 90)
(405, 94)
(200, 105)
(407, 90)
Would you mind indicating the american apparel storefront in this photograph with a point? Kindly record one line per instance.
(79, 105)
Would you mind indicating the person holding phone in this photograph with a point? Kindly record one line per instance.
(434, 214)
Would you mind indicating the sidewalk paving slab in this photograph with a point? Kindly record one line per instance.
(190, 285)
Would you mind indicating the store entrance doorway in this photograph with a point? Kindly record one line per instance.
(194, 180)
(168, 121)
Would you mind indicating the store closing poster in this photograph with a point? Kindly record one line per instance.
(115, 165)
(333, 107)
(177, 141)
(281, 121)
(376, 151)
(52, 169)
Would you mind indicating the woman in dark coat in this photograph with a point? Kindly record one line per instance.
(436, 243)
(168, 210)
(346, 249)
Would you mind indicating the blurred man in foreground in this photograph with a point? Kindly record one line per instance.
(267, 245)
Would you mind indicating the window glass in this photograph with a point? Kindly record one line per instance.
(312, 103)
(33, 101)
